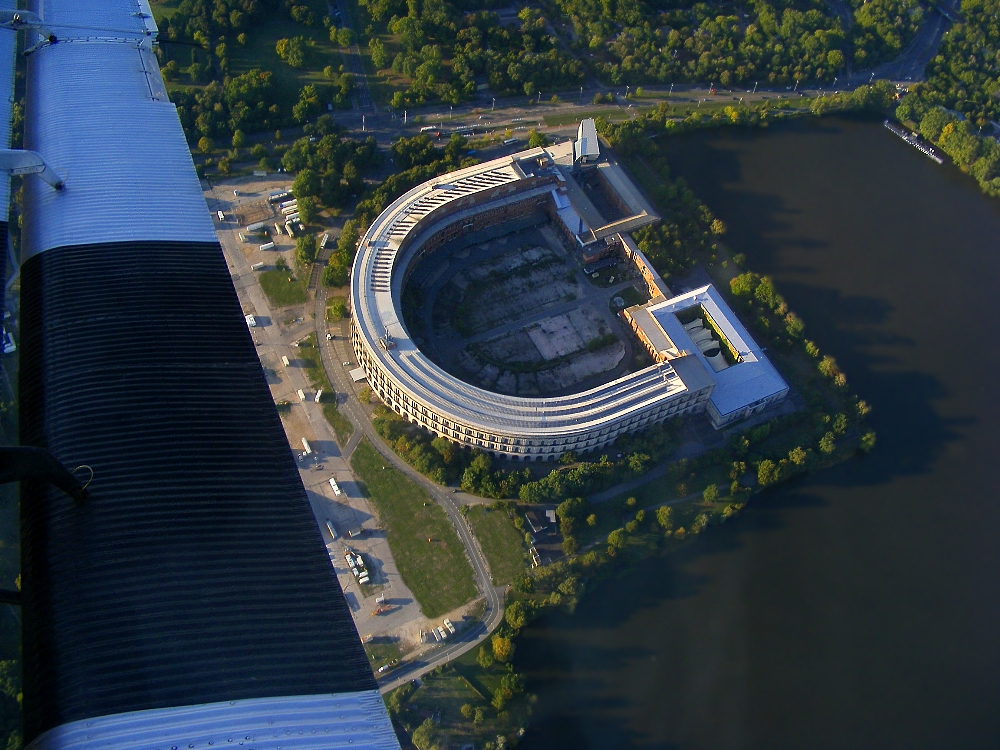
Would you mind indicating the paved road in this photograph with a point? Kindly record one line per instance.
(334, 353)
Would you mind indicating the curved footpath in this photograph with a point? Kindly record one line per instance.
(333, 353)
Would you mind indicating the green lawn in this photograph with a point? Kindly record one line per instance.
(340, 424)
(502, 544)
(611, 115)
(436, 571)
(282, 288)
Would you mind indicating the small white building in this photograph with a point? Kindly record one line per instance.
(587, 149)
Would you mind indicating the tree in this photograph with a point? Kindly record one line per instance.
(205, 144)
(307, 209)
(502, 648)
(306, 249)
(767, 472)
(484, 658)
(516, 615)
(797, 456)
(467, 710)
(617, 539)
(867, 441)
(536, 139)
(828, 443)
(336, 273)
(570, 545)
(592, 520)
(239, 139)
(307, 183)
(342, 36)
(478, 717)
(710, 493)
(425, 737)
(294, 51)
(379, 57)
(744, 284)
(665, 517)
(718, 227)
(336, 309)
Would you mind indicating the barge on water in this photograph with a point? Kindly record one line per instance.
(914, 141)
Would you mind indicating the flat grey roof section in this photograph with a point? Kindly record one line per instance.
(8, 48)
(741, 384)
(587, 143)
(652, 330)
(626, 189)
(583, 205)
(101, 88)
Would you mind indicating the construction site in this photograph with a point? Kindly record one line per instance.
(517, 315)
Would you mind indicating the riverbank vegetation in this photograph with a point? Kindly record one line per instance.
(957, 108)
(427, 551)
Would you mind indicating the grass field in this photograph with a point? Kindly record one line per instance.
(282, 288)
(340, 424)
(502, 544)
(569, 118)
(436, 571)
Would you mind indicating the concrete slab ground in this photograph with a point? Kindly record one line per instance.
(275, 334)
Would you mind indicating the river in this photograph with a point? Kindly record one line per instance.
(859, 607)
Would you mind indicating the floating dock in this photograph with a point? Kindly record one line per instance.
(914, 141)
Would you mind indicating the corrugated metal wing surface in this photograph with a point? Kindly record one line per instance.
(197, 572)
(316, 722)
(128, 171)
(8, 48)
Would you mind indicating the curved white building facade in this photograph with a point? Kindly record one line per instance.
(408, 382)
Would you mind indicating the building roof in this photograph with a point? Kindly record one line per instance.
(394, 241)
(740, 385)
(626, 189)
(587, 143)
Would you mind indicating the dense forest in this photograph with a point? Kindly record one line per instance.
(436, 51)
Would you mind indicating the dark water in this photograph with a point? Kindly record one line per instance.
(861, 607)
